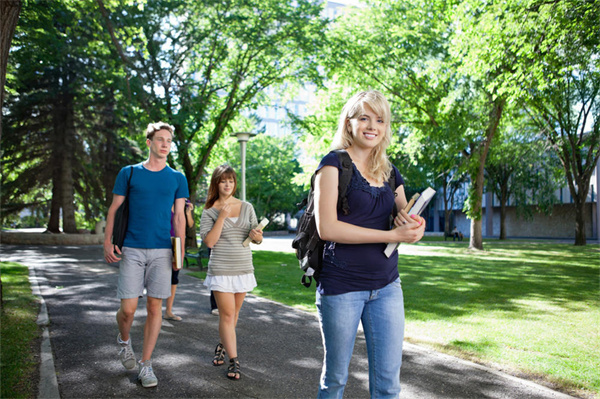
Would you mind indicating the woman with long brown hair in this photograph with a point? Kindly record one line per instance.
(226, 222)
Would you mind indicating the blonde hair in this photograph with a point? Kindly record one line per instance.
(155, 127)
(379, 166)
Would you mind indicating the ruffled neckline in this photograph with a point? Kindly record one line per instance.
(358, 182)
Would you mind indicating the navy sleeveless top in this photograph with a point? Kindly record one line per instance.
(360, 267)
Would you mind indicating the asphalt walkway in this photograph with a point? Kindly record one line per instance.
(280, 347)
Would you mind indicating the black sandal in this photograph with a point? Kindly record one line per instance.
(219, 358)
(234, 368)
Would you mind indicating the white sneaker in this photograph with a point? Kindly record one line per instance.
(215, 312)
(146, 375)
(126, 354)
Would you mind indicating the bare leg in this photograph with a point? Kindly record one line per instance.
(152, 327)
(125, 316)
(229, 310)
(170, 300)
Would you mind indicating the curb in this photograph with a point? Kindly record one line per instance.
(48, 386)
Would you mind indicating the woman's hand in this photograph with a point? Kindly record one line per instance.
(225, 211)
(409, 228)
(256, 236)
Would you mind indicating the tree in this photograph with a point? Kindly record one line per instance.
(270, 179)
(553, 72)
(62, 129)
(523, 170)
(199, 64)
(9, 14)
(561, 91)
(414, 52)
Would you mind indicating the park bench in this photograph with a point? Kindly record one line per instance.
(193, 256)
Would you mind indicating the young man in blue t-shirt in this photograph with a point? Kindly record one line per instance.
(146, 257)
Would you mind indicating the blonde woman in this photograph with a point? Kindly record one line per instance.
(225, 223)
(358, 283)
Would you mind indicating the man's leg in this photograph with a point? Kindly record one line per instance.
(158, 285)
(152, 327)
(125, 316)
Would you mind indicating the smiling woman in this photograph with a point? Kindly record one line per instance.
(354, 265)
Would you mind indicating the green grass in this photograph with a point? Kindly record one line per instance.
(19, 334)
(529, 308)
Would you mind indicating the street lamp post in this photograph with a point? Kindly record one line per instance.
(243, 138)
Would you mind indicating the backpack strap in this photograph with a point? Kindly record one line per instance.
(392, 184)
(345, 177)
(129, 181)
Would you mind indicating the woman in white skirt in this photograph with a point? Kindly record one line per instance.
(226, 222)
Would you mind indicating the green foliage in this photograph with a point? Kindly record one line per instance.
(271, 165)
(62, 116)
(521, 169)
(19, 333)
(200, 64)
(543, 55)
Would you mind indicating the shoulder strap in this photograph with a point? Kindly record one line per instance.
(129, 180)
(392, 184)
(344, 181)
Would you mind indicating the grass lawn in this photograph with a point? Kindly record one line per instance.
(20, 335)
(530, 309)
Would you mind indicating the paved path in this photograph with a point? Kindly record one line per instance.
(280, 347)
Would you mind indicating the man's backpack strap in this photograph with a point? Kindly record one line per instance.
(345, 177)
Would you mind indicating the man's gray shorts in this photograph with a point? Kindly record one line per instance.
(150, 268)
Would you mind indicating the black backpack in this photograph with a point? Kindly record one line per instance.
(307, 243)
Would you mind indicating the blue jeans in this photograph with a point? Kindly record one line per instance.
(382, 315)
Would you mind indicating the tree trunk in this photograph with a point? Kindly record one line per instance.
(503, 201)
(580, 239)
(447, 216)
(476, 240)
(54, 221)
(67, 184)
(62, 176)
(9, 15)
(503, 221)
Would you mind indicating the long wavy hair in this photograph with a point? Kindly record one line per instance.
(378, 164)
(221, 172)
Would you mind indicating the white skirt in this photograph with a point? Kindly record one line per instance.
(233, 284)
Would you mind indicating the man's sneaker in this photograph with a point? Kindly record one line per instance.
(146, 375)
(126, 354)
(215, 312)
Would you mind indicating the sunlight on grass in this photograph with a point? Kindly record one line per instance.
(512, 304)
(18, 332)
(529, 308)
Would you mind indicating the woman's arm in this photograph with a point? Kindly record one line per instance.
(331, 229)
(189, 216)
(211, 237)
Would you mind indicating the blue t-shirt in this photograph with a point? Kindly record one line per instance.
(151, 196)
(360, 267)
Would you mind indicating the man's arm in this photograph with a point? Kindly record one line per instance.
(179, 221)
(109, 248)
